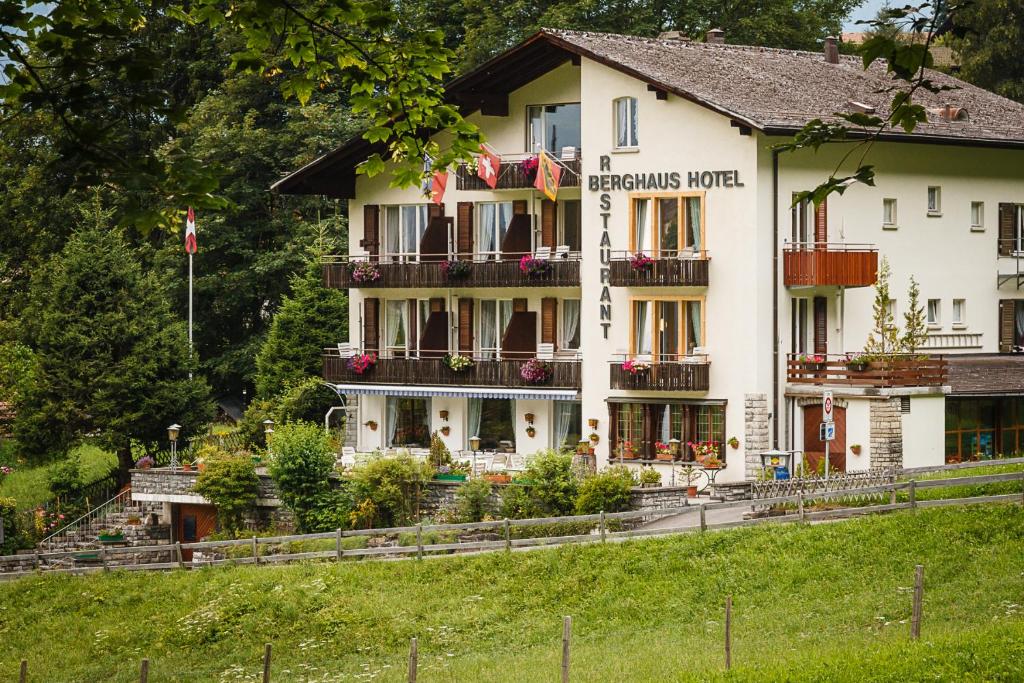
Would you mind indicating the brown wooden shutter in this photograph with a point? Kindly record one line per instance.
(820, 324)
(519, 305)
(434, 243)
(412, 315)
(613, 428)
(371, 325)
(437, 305)
(465, 325)
(464, 228)
(371, 231)
(435, 210)
(549, 320)
(517, 237)
(1006, 229)
(520, 206)
(821, 222)
(548, 214)
(520, 337)
(1006, 325)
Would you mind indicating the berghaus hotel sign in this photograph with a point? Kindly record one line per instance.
(606, 182)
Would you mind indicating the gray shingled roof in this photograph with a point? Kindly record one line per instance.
(783, 89)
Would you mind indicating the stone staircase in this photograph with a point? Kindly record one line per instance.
(119, 513)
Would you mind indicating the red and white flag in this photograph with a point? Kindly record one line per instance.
(487, 166)
(438, 185)
(190, 232)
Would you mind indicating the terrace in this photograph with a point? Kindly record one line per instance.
(820, 264)
(512, 175)
(893, 371)
(665, 373)
(477, 270)
(675, 269)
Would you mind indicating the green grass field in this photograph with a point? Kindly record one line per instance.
(812, 603)
(29, 485)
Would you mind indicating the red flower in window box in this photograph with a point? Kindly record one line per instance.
(361, 363)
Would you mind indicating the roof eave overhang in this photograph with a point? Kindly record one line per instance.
(915, 138)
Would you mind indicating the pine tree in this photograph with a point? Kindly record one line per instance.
(884, 337)
(914, 329)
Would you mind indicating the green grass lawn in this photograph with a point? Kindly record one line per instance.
(29, 485)
(824, 602)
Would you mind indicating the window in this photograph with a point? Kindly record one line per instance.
(403, 228)
(552, 127)
(408, 422)
(664, 226)
(977, 215)
(802, 219)
(665, 330)
(570, 227)
(892, 308)
(494, 317)
(798, 323)
(889, 213)
(981, 428)
(491, 419)
(493, 219)
(934, 200)
(959, 312)
(934, 317)
(395, 327)
(570, 324)
(637, 427)
(1018, 228)
(625, 123)
(568, 424)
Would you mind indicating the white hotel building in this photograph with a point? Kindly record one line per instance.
(667, 150)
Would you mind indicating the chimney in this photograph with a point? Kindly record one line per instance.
(831, 50)
(673, 35)
(716, 36)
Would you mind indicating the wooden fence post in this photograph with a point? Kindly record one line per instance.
(800, 505)
(915, 618)
(37, 562)
(728, 632)
(266, 663)
(103, 559)
(508, 537)
(23, 673)
(892, 495)
(255, 551)
(703, 519)
(566, 634)
(414, 655)
(419, 541)
(602, 527)
(913, 494)
(177, 551)
(337, 545)
(144, 672)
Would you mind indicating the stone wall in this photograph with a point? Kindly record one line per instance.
(886, 433)
(658, 498)
(755, 432)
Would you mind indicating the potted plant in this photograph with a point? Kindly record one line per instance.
(815, 361)
(498, 477)
(626, 450)
(372, 424)
(662, 451)
(113, 535)
(858, 362)
(650, 478)
(641, 261)
(534, 267)
(635, 367)
(702, 450)
(595, 439)
(529, 166)
(454, 269)
(536, 371)
(451, 473)
(733, 442)
(133, 520)
(691, 475)
(712, 462)
(855, 449)
(361, 363)
(364, 271)
(457, 362)
(145, 462)
(186, 466)
(531, 431)
(446, 430)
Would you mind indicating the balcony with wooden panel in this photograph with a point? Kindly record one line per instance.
(821, 264)
(886, 372)
(512, 174)
(492, 270)
(675, 269)
(664, 373)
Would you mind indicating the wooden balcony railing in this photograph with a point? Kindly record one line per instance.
(434, 372)
(512, 177)
(563, 272)
(890, 371)
(821, 264)
(680, 373)
(627, 269)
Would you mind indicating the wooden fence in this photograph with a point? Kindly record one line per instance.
(601, 530)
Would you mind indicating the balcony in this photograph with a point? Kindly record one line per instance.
(511, 175)
(829, 265)
(687, 269)
(562, 271)
(675, 373)
(433, 372)
(888, 372)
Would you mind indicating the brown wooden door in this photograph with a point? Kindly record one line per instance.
(194, 523)
(814, 448)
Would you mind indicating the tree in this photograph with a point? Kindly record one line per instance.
(311, 318)
(884, 336)
(915, 331)
(986, 35)
(112, 358)
(301, 463)
(230, 483)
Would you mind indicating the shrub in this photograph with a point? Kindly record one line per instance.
(439, 453)
(649, 475)
(608, 491)
(15, 537)
(251, 429)
(517, 503)
(301, 464)
(65, 483)
(387, 491)
(305, 401)
(472, 500)
(553, 483)
(231, 484)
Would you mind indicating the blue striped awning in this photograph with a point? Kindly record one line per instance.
(459, 392)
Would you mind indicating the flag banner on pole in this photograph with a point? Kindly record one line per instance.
(427, 184)
(487, 166)
(190, 232)
(548, 175)
(438, 185)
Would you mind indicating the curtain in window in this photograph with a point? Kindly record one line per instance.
(693, 213)
(487, 215)
(565, 414)
(633, 123)
(395, 324)
(571, 323)
(622, 122)
(394, 231)
(488, 326)
(391, 419)
(474, 410)
(668, 226)
(504, 217)
(693, 335)
(409, 229)
(505, 315)
(1019, 317)
(642, 343)
(643, 225)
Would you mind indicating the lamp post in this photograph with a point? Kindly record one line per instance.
(172, 434)
(474, 445)
(268, 431)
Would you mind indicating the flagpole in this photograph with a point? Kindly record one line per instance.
(190, 313)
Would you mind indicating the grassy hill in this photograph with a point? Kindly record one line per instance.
(812, 603)
(30, 485)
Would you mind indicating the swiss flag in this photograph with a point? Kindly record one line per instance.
(190, 232)
(487, 166)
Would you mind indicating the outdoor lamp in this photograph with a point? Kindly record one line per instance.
(673, 446)
(172, 432)
(592, 422)
(529, 418)
(474, 443)
(268, 426)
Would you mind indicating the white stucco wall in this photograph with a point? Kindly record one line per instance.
(923, 442)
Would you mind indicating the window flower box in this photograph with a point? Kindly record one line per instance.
(635, 367)
(361, 363)
(457, 362)
(529, 167)
(641, 261)
(534, 267)
(663, 451)
(455, 270)
(449, 476)
(813, 362)
(536, 371)
(364, 271)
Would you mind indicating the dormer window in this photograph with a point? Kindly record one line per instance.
(626, 126)
(553, 127)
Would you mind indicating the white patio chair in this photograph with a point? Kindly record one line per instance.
(546, 351)
(499, 463)
(567, 354)
(517, 462)
(543, 253)
(345, 350)
(562, 251)
(568, 153)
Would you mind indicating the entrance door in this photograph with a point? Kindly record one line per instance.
(194, 523)
(814, 448)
